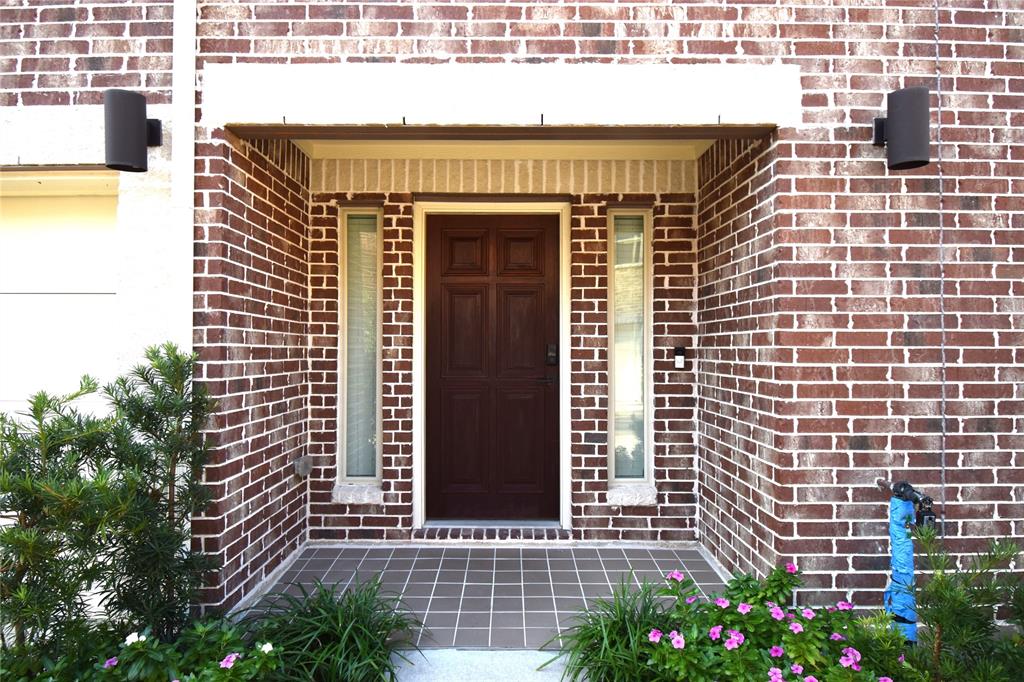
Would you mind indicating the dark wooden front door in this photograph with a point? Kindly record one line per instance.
(492, 367)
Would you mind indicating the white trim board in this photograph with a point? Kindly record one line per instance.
(420, 211)
(501, 94)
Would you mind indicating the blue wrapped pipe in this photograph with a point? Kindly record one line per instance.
(899, 595)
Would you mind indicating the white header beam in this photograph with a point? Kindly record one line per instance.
(501, 94)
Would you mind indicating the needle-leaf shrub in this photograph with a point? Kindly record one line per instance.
(100, 508)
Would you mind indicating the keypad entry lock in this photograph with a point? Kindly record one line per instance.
(551, 357)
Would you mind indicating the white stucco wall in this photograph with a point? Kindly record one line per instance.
(84, 295)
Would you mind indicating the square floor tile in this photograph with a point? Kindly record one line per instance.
(507, 620)
(476, 637)
(444, 576)
(539, 603)
(472, 590)
(537, 638)
(510, 638)
(445, 603)
(416, 603)
(441, 619)
(540, 619)
(475, 619)
(437, 637)
(508, 590)
(448, 590)
(570, 603)
(419, 589)
(475, 604)
(537, 590)
(508, 604)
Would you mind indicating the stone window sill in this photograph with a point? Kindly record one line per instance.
(632, 495)
(357, 493)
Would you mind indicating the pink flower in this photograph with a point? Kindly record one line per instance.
(883, 678)
(723, 602)
(796, 668)
(850, 658)
(810, 678)
(831, 609)
(776, 651)
(902, 658)
(735, 639)
(678, 641)
(844, 606)
(229, 660)
(777, 613)
(677, 576)
(796, 628)
(774, 675)
(110, 663)
(744, 608)
(691, 599)
(655, 635)
(808, 614)
(715, 632)
(836, 637)
(790, 568)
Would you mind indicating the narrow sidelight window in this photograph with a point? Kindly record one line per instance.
(360, 367)
(629, 332)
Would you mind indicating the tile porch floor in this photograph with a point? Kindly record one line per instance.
(495, 597)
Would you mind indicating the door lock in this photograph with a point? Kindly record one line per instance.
(551, 357)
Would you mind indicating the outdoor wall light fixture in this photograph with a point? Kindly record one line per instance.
(904, 131)
(127, 131)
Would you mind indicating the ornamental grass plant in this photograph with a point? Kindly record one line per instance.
(326, 634)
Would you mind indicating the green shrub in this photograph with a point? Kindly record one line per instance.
(160, 452)
(101, 507)
(326, 635)
(962, 642)
(56, 480)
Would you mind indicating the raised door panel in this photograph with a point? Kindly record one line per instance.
(464, 252)
(464, 345)
(520, 439)
(520, 252)
(465, 438)
(520, 338)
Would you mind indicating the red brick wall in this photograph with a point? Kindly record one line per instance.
(739, 457)
(70, 52)
(251, 334)
(674, 264)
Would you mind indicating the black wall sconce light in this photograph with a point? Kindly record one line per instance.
(127, 131)
(904, 131)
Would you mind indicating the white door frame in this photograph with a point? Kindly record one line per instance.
(420, 211)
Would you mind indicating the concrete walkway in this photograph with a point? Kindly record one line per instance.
(449, 665)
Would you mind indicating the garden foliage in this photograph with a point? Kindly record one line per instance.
(752, 632)
(101, 509)
(325, 634)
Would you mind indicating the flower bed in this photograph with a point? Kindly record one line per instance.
(753, 631)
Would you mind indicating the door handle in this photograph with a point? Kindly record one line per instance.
(551, 357)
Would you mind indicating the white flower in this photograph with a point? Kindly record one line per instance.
(267, 648)
(133, 638)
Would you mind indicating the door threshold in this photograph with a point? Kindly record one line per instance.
(490, 523)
